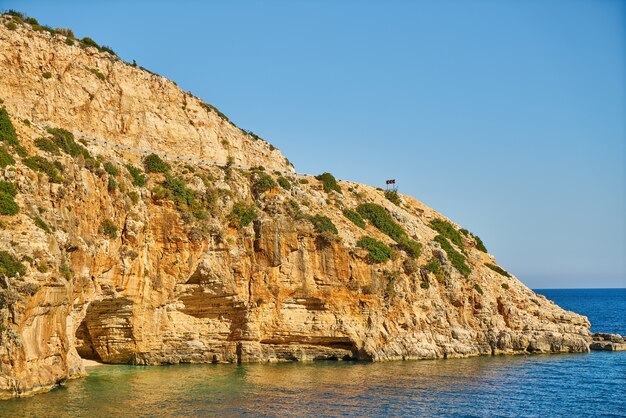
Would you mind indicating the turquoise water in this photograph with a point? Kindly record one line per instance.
(591, 384)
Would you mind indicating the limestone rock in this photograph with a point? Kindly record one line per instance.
(151, 275)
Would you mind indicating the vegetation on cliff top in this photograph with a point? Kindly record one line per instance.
(393, 197)
(498, 269)
(329, 182)
(480, 246)
(20, 18)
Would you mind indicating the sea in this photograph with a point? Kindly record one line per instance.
(572, 385)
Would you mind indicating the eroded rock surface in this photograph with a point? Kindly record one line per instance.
(173, 278)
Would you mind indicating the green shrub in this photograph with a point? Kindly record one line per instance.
(8, 188)
(40, 164)
(19, 15)
(11, 25)
(293, 208)
(284, 183)
(178, 191)
(242, 215)
(210, 107)
(110, 168)
(263, 183)
(134, 197)
(108, 49)
(294, 205)
(424, 284)
(41, 224)
(323, 223)
(479, 244)
(8, 206)
(64, 139)
(154, 164)
(329, 182)
(382, 220)
(354, 217)
(21, 151)
(69, 41)
(7, 130)
(90, 42)
(47, 75)
(108, 228)
(478, 288)
(10, 266)
(434, 266)
(447, 230)
(111, 185)
(66, 272)
(412, 248)
(97, 73)
(139, 179)
(303, 181)
(5, 158)
(456, 258)
(47, 145)
(498, 269)
(378, 251)
(393, 197)
(505, 286)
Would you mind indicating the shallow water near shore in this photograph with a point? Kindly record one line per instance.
(539, 385)
(590, 384)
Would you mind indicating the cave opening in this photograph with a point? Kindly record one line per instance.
(84, 344)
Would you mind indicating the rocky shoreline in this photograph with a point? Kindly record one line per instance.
(607, 342)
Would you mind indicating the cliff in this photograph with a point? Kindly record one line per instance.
(108, 255)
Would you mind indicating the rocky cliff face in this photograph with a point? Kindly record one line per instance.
(191, 263)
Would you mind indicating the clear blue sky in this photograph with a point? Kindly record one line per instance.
(506, 116)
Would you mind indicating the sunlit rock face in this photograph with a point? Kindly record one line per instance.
(165, 272)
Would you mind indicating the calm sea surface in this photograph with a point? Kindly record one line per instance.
(540, 385)
(605, 308)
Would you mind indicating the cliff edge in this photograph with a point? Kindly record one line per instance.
(112, 253)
